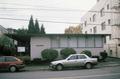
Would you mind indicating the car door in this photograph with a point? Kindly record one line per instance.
(81, 60)
(70, 62)
(2, 62)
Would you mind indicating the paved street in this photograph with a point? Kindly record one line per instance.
(104, 70)
(97, 73)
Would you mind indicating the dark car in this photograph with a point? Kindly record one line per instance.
(11, 63)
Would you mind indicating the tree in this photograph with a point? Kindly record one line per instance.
(7, 46)
(42, 29)
(21, 31)
(37, 29)
(31, 28)
(5, 41)
(74, 30)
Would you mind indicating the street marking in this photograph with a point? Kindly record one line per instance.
(75, 77)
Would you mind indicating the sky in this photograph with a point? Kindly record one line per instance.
(55, 15)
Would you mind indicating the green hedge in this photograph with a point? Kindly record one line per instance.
(66, 52)
(103, 55)
(49, 54)
(87, 52)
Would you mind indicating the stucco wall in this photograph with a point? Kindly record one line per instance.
(37, 45)
(95, 45)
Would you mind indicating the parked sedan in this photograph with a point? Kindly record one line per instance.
(10, 63)
(74, 60)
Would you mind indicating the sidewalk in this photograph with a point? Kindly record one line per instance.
(37, 68)
(110, 62)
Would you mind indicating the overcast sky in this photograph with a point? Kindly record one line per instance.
(56, 15)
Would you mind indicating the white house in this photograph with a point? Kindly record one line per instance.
(104, 18)
(2, 30)
(80, 42)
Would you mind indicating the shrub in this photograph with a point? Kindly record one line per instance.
(36, 61)
(103, 55)
(66, 52)
(26, 59)
(98, 58)
(87, 52)
(49, 54)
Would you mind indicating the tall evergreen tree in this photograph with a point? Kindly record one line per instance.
(37, 29)
(42, 29)
(31, 28)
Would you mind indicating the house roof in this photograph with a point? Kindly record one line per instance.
(27, 37)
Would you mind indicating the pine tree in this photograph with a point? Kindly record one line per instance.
(31, 28)
(42, 29)
(37, 29)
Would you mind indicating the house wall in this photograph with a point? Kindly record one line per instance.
(2, 30)
(92, 43)
(111, 18)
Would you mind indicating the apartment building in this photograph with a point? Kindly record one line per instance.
(104, 18)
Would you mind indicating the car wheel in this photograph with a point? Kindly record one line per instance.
(88, 65)
(59, 67)
(12, 69)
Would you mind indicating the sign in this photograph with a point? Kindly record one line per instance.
(20, 49)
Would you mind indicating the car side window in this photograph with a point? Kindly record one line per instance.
(73, 58)
(2, 59)
(8, 59)
(81, 57)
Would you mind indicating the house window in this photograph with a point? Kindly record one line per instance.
(94, 29)
(109, 21)
(54, 42)
(108, 7)
(103, 26)
(94, 17)
(102, 12)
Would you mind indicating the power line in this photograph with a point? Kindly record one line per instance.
(37, 16)
(53, 21)
(53, 9)
(41, 21)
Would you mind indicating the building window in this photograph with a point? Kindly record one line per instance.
(108, 7)
(94, 17)
(90, 19)
(109, 21)
(95, 29)
(98, 0)
(110, 37)
(103, 26)
(85, 32)
(102, 12)
(85, 23)
(91, 30)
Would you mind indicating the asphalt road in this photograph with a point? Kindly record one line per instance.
(98, 73)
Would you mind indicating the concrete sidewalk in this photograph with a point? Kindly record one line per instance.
(110, 62)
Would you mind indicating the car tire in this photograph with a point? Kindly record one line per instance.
(12, 69)
(59, 67)
(88, 66)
